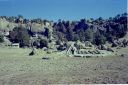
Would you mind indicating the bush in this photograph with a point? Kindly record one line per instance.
(99, 39)
(61, 47)
(43, 43)
(114, 44)
(20, 35)
(1, 38)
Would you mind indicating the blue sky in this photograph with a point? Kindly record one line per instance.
(63, 9)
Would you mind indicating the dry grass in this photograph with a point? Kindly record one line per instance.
(17, 68)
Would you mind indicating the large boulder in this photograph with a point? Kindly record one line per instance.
(110, 49)
(99, 47)
(102, 47)
(88, 44)
(33, 52)
(125, 43)
(114, 44)
(45, 48)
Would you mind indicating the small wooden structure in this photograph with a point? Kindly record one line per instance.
(15, 45)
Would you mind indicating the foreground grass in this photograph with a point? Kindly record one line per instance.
(17, 68)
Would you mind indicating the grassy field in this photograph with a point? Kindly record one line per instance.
(17, 68)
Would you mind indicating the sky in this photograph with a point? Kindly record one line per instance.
(63, 9)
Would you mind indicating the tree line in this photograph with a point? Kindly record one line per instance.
(97, 31)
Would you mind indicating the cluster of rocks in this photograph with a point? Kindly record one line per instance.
(123, 43)
(104, 47)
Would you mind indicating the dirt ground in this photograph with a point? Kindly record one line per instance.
(17, 68)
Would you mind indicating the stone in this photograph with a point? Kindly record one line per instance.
(110, 49)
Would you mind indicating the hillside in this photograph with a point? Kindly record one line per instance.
(8, 23)
(43, 33)
(36, 52)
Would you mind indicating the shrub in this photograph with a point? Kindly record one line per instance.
(43, 43)
(1, 38)
(20, 35)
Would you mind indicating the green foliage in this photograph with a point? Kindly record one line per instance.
(38, 20)
(20, 35)
(89, 35)
(1, 38)
(76, 37)
(70, 35)
(99, 38)
(97, 31)
(43, 43)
